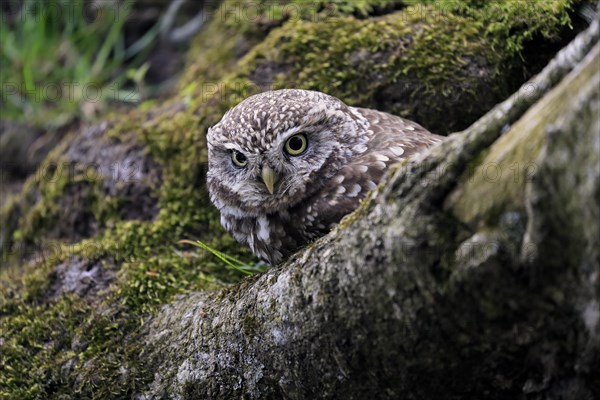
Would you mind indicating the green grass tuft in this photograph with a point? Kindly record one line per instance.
(61, 59)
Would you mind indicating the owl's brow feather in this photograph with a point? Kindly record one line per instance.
(321, 120)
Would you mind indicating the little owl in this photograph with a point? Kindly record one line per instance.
(285, 166)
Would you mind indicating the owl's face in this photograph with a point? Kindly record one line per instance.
(277, 148)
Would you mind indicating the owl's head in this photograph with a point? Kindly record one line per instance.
(276, 148)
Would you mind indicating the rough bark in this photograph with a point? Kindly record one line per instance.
(448, 282)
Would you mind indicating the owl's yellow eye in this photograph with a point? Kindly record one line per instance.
(239, 159)
(296, 144)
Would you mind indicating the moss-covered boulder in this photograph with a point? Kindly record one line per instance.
(441, 63)
(89, 247)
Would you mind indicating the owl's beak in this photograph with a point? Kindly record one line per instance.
(269, 177)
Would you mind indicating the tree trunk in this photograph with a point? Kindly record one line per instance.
(473, 272)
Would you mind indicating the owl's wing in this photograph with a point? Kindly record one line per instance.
(405, 137)
(392, 139)
(340, 197)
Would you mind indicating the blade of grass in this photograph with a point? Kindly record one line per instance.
(227, 259)
(110, 41)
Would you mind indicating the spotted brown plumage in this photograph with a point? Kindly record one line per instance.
(286, 165)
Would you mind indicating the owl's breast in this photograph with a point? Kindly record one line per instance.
(270, 237)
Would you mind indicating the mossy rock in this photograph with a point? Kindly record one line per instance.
(441, 63)
(90, 253)
(237, 26)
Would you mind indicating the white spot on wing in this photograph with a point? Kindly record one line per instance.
(359, 148)
(379, 164)
(381, 157)
(339, 179)
(398, 151)
(355, 190)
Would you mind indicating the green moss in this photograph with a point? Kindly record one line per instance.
(373, 62)
(237, 26)
(510, 24)
(151, 268)
(418, 63)
(68, 350)
(41, 208)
